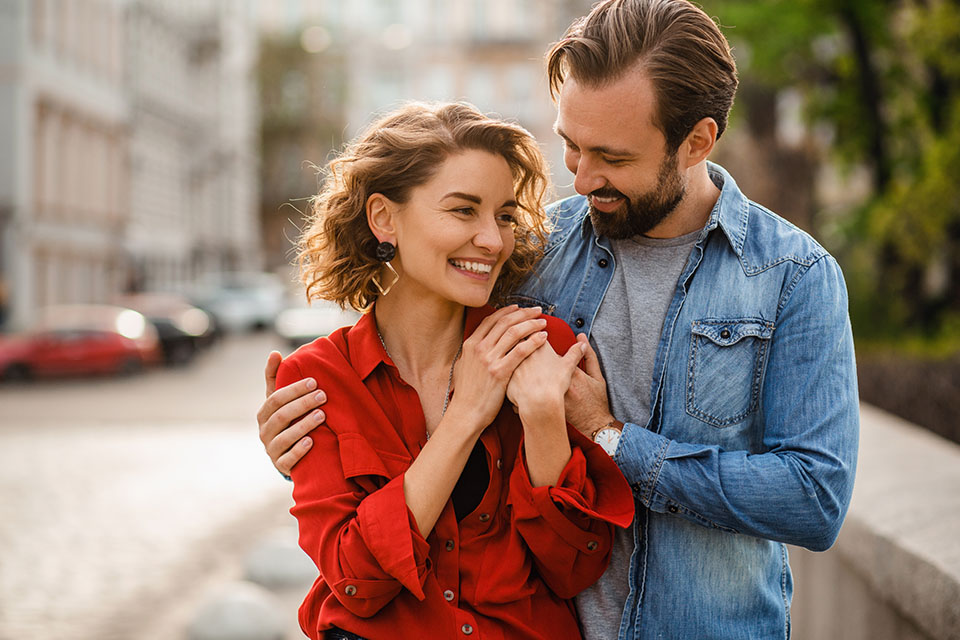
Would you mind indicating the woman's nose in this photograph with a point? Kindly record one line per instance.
(488, 236)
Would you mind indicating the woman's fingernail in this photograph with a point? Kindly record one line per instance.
(319, 416)
(311, 384)
(321, 397)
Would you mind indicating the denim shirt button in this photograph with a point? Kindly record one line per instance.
(578, 322)
(672, 508)
(725, 334)
(602, 263)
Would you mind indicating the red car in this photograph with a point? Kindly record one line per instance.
(81, 339)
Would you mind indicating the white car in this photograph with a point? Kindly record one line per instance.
(300, 325)
(242, 301)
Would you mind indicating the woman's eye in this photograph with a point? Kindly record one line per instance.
(507, 219)
(467, 211)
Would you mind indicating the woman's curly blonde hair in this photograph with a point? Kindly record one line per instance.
(401, 151)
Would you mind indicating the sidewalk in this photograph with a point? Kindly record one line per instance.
(260, 572)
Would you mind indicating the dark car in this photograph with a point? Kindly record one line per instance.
(81, 340)
(182, 328)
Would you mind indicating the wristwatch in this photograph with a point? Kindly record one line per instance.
(608, 436)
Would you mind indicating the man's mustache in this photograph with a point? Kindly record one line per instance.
(607, 192)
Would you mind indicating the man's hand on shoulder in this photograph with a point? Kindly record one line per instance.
(287, 416)
(586, 404)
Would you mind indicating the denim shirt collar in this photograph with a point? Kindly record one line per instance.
(731, 212)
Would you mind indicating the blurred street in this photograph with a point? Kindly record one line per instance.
(122, 500)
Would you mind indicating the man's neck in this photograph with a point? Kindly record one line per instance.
(694, 210)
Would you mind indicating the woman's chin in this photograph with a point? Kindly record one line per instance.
(473, 300)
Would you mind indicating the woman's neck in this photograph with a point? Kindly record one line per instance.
(420, 334)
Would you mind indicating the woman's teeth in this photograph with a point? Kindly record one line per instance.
(474, 267)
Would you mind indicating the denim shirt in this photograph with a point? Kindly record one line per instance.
(752, 439)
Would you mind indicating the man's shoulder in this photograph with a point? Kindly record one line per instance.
(760, 238)
(769, 240)
(566, 216)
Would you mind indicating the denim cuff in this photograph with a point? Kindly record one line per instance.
(640, 457)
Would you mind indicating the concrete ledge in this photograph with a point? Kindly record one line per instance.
(895, 569)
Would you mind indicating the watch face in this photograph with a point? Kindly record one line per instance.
(608, 439)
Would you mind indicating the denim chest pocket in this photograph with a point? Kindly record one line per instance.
(725, 367)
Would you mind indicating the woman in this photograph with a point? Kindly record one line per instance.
(431, 510)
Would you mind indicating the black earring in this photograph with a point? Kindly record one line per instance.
(386, 251)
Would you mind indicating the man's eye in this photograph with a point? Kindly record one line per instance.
(614, 161)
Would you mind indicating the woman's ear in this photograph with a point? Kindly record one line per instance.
(381, 214)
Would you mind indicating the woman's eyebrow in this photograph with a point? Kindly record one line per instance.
(476, 199)
(463, 196)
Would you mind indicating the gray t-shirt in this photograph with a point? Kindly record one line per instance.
(625, 335)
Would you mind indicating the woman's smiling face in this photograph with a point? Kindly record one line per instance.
(455, 232)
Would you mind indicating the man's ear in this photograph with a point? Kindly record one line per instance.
(381, 214)
(699, 142)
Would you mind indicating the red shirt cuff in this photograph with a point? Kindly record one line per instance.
(392, 536)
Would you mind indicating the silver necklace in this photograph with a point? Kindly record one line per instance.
(446, 396)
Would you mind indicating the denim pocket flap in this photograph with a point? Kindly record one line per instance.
(725, 333)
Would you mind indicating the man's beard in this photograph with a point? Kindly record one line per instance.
(640, 214)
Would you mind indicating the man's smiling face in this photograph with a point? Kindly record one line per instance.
(618, 154)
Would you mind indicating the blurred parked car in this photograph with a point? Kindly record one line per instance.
(241, 301)
(301, 325)
(79, 340)
(182, 328)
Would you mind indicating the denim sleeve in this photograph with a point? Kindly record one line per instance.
(798, 488)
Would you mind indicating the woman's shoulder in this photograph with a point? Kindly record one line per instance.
(320, 360)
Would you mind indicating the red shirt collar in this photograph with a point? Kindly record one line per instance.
(366, 349)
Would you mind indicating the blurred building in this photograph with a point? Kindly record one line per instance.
(193, 158)
(64, 131)
(129, 152)
(372, 54)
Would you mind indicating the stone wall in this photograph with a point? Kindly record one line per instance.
(894, 572)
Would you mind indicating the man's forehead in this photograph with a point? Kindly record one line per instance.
(602, 119)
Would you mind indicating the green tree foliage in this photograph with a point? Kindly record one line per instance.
(884, 77)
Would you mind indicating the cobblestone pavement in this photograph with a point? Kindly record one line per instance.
(122, 498)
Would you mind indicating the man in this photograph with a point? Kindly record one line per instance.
(723, 382)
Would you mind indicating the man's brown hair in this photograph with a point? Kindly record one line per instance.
(677, 45)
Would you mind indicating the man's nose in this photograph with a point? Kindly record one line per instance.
(587, 178)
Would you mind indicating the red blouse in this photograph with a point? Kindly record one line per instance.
(505, 571)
